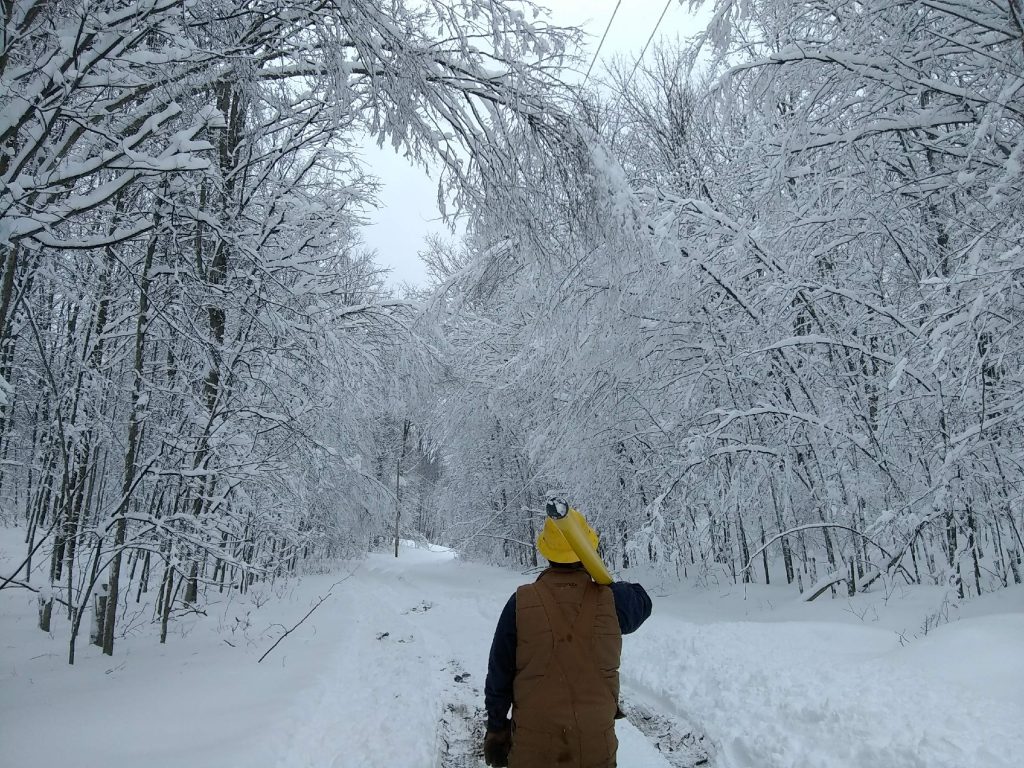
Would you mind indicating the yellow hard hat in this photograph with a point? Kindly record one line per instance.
(552, 544)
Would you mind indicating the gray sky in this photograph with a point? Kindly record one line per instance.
(408, 196)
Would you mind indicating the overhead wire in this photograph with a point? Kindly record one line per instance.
(601, 44)
(646, 45)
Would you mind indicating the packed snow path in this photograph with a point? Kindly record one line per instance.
(389, 672)
(406, 685)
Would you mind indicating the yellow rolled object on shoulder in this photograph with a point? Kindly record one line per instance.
(581, 538)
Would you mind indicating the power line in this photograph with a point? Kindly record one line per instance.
(644, 51)
(601, 44)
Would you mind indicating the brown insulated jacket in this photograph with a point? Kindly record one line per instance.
(566, 687)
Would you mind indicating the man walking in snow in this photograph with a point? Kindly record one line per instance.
(555, 661)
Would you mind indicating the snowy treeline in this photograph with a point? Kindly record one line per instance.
(196, 352)
(787, 298)
(753, 304)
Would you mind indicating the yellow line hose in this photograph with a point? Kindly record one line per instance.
(570, 529)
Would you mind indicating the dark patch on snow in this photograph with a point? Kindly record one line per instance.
(460, 736)
(680, 743)
(460, 732)
(423, 607)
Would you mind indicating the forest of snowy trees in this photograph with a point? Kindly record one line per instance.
(754, 303)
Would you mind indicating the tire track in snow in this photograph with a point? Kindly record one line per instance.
(672, 730)
(648, 739)
(680, 744)
(462, 723)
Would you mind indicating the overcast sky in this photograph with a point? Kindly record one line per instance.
(408, 198)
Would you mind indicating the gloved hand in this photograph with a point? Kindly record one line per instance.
(497, 744)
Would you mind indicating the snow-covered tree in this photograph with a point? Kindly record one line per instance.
(191, 340)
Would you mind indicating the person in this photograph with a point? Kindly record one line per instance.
(554, 660)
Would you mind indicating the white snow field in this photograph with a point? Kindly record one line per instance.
(389, 671)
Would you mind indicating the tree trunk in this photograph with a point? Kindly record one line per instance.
(134, 421)
(764, 553)
(972, 544)
(99, 616)
(10, 260)
(398, 482)
(45, 612)
(787, 553)
(744, 548)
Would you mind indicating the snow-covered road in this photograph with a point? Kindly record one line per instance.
(405, 686)
(389, 671)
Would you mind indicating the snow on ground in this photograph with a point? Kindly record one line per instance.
(401, 646)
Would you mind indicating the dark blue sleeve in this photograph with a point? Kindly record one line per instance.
(501, 668)
(632, 604)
